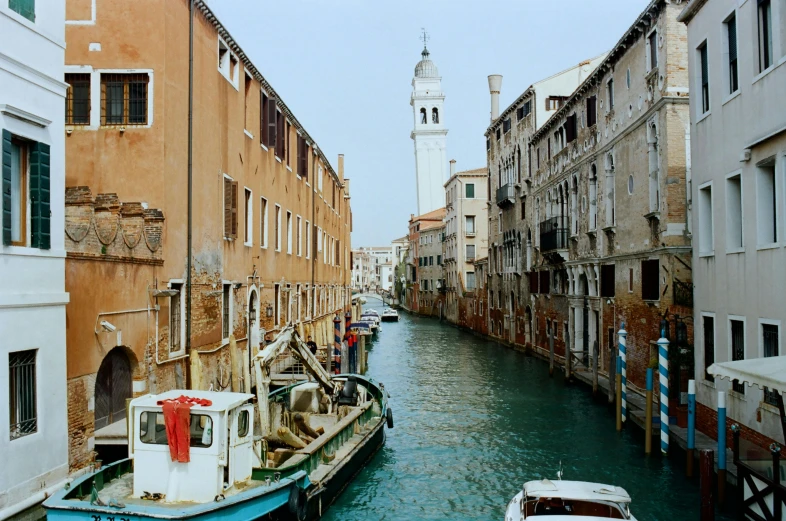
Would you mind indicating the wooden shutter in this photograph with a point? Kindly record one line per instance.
(271, 122)
(6, 187)
(234, 209)
(227, 207)
(40, 213)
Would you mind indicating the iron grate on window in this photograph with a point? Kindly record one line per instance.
(770, 341)
(78, 99)
(22, 393)
(124, 99)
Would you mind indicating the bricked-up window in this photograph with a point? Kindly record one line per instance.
(226, 315)
(708, 330)
(124, 99)
(607, 281)
(571, 128)
(175, 319)
(77, 108)
(770, 343)
(704, 78)
(652, 44)
(737, 329)
(650, 287)
(545, 282)
(22, 393)
(592, 110)
(230, 208)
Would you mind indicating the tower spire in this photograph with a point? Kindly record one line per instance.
(424, 38)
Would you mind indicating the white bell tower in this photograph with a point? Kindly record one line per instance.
(429, 134)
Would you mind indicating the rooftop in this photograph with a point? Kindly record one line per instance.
(425, 67)
(220, 401)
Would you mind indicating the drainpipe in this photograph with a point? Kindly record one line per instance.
(313, 244)
(190, 181)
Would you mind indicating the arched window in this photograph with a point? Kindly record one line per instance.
(423, 116)
(434, 115)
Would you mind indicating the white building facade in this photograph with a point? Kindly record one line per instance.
(429, 135)
(33, 412)
(737, 58)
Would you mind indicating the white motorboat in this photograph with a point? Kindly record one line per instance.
(563, 500)
(390, 315)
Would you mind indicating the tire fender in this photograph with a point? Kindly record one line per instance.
(298, 503)
(390, 418)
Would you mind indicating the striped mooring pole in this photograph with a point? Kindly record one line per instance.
(648, 414)
(663, 368)
(691, 427)
(337, 333)
(623, 342)
(721, 447)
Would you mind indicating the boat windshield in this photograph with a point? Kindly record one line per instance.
(570, 507)
(152, 429)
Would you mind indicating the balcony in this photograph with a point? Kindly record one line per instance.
(554, 234)
(506, 195)
(469, 233)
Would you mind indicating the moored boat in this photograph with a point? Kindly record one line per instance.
(562, 500)
(389, 315)
(203, 454)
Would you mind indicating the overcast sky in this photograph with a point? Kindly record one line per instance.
(345, 68)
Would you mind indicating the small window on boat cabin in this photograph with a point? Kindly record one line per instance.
(152, 429)
(242, 424)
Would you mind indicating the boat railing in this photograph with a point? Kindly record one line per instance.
(84, 487)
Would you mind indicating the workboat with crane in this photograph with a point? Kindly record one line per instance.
(202, 455)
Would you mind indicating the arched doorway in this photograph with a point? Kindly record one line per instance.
(113, 387)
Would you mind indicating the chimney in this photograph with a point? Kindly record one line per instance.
(452, 167)
(341, 167)
(495, 84)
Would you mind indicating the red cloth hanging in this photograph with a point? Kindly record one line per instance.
(177, 420)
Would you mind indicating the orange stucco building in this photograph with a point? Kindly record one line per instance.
(271, 216)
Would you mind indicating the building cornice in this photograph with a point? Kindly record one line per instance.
(690, 11)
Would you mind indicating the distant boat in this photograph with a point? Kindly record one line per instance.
(312, 439)
(390, 315)
(559, 499)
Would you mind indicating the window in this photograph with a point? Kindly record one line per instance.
(268, 113)
(302, 157)
(470, 281)
(731, 46)
(607, 280)
(280, 136)
(77, 108)
(469, 224)
(630, 280)
(469, 190)
(230, 208)
(592, 111)
(247, 81)
(470, 252)
(770, 347)
(299, 236)
(152, 429)
(124, 99)
(708, 327)
(523, 111)
(610, 94)
(289, 232)
(434, 116)
(766, 203)
(25, 192)
(734, 213)
(571, 128)
(627, 78)
(704, 78)
(15, 160)
(765, 34)
(650, 284)
(506, 126)
(22, 390)
(25, 8)
(431, 260)
(287, 148)
(249, 216)
(263, 222)
(545, 282)
(439, 260)
(308, 240)
(175, 318)
(652, 47)
(278, 228)
(499, 222)
(523, 208)
(226, 312)
(706, 234)
(243, 424)
(737, 329)
(555, 102)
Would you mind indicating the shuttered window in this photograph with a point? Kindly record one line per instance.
(650, 288)
(40, 213)
(570, 128)
(230, 208)
(25, 8)
(533, 281)
(272, 122)
(263, 118)
(592, 110)
(506, 125)
(607, 280)
(302, 157)
(25, 176)
(281, 148)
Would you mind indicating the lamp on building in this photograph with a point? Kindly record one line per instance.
(269, 311)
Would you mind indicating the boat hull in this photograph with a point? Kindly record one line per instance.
(389, 318)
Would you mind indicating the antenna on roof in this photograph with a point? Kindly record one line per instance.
(424, 38)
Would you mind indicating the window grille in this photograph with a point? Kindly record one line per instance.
(124, 99)
(770, 342)
(22, 393)
(225, 312)
(78, 99)
(738, 349)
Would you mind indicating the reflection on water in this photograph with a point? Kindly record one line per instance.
(474, 420)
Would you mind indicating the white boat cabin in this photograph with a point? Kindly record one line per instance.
(560, 499)
(220, 452)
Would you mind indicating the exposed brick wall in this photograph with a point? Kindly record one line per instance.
(707, 422)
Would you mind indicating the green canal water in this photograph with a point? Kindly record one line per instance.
(475, 420)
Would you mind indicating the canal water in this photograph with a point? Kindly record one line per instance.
(474, 420)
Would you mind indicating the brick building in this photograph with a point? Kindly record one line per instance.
(424, 277)
(271, 220)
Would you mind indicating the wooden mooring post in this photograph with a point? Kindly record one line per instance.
(706, 471)
(721, 447)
